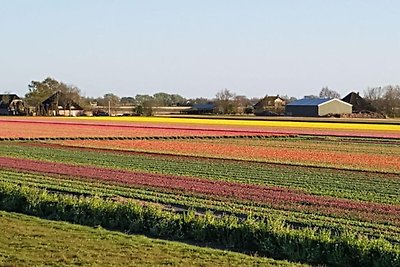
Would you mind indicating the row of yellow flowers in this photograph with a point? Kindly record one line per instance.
(253, 123)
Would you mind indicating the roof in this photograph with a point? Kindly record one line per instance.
(309, 102)
(14, 96)
(62, 101)
(359, 103)
(209, 106)
(264, 101)
(6, 99)
(315, 102)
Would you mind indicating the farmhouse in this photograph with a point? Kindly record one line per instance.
(317, 107)
(59, 104)
(270, 105)
(359, 103)
(11, 104)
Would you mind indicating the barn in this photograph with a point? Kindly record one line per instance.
(317, 107)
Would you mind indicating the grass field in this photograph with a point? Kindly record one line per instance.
(320, 193)
(30, 241)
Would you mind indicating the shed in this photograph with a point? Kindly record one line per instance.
(317, 107)
(359, 103)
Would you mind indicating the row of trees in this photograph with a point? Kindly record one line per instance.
(158, 99)
(385, 99)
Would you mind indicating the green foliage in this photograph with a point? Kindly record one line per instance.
(270, 238)
(40, 91)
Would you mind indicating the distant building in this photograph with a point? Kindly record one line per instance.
(59, 104)
(317, 107)
(11, 104)
(359, 103)
(208, 108)
(270, 105)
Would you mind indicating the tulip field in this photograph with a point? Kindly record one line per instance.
(318, 193)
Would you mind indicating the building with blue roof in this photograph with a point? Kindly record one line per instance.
(316, 107)
(206, 108)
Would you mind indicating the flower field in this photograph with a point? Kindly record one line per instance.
(266, 150)
(17, 129)
(332, 185)
(88, 125)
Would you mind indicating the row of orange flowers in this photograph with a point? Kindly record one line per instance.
(290, 155)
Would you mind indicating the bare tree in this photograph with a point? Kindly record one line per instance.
(391, 100)
(385, 99)
(328, 93)
(225, 101)
(374, 93)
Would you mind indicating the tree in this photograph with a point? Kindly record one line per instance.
(145, 105)
(391, 99)
(225, 101)
(311, 97)
(328, 93)
(71, 94)
(241, 104)
(111, 99)
(140, 99)
(374, 95)
(254, 100)
(148, 107)
(288, 99)
(40, 91)
(177, 100)
(5, 98)
(168, 100)
(127, 100)
(385, 99)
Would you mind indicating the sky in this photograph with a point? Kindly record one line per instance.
(196, 48)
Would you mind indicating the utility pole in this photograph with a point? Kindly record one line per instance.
(109, 108)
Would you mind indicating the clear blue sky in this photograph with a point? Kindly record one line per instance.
(197, 47)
